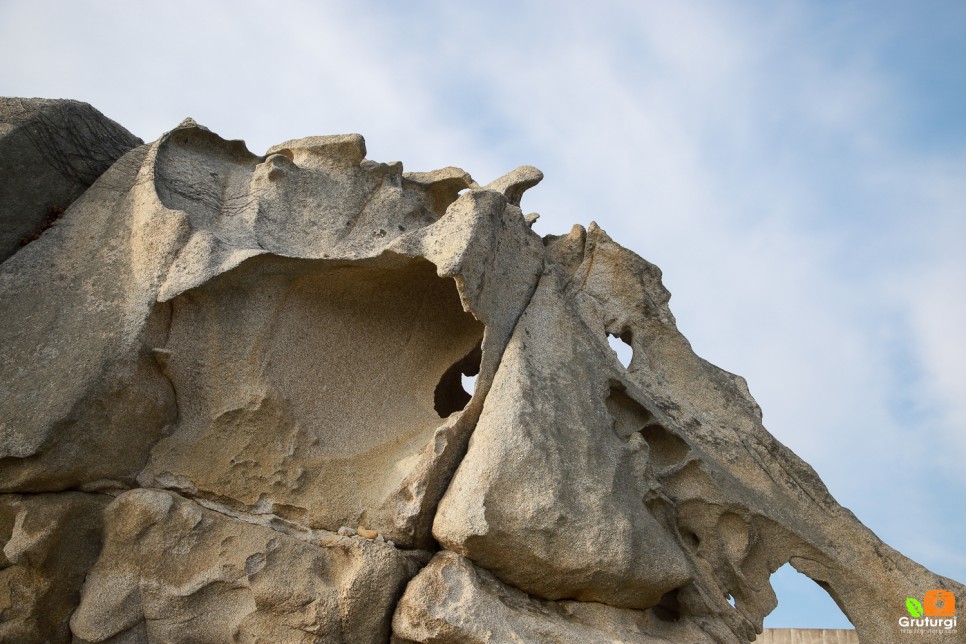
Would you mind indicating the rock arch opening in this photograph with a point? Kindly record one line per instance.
(803, 603)
(622, 347)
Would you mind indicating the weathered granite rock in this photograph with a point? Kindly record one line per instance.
(195, 230)
(344, 344)
(174, 571)
(82, 398)
(50, 152)
(50, 541)
(263, 351)
(452, 601)
(654, 485)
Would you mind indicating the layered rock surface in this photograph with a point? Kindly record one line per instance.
(231, 410)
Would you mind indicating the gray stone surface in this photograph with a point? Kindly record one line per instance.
(261, 357)
(807, 636)
(50, 152)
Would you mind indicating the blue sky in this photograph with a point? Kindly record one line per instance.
(797, 169)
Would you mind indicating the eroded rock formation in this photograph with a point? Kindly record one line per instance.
(231, 410)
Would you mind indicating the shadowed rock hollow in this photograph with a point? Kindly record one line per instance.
(231, 410)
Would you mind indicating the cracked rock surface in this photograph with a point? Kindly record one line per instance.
(231, 409)
(50, 153)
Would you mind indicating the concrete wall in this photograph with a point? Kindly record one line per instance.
(807, 636)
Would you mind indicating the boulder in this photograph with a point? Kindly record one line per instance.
(451, 601)
(51, 151)
(650, 486)
(174, 571)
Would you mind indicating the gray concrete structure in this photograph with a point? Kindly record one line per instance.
(807, 636)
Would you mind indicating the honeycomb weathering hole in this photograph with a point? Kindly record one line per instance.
(629, 416)
(667, 449)
(669, 608)
(309, 373)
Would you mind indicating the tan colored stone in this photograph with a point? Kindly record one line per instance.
(174, 571)
(49, 542)
(82, 400)
(304, 413)
(307, 389)
(171, 237)
(549, 495)
(452, 601)
(654, 485)
(515, 183)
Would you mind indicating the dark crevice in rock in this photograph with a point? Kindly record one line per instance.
(112, 492)
(450, 396)
(668, 609)
(470, 415)
(54, 213)
(478, 403)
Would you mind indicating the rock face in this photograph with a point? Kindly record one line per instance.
(50, 153)
(231, 409)
(172, 570)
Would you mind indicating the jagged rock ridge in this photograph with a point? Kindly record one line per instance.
(231, 410)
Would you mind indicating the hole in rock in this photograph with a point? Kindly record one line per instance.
(666, 448)
(731, 600)
(668, 609)
(621, 345)
(329, 360)
(629, 416)
(311, 374)
(802, 603)
(691, 539)
(456, 386)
